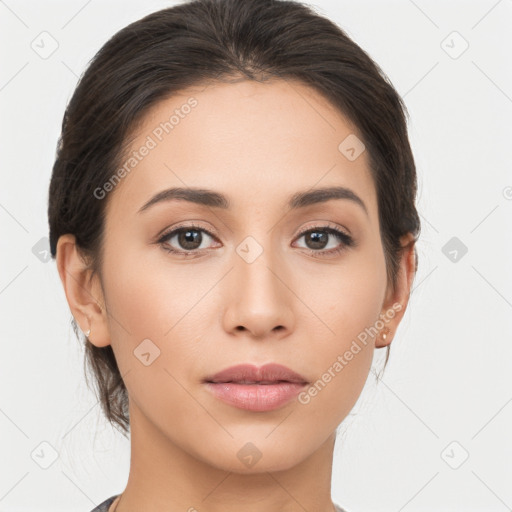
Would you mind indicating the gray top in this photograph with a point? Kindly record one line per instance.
(103, 507)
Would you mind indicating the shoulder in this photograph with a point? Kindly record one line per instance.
(338, 508)
(103, 507)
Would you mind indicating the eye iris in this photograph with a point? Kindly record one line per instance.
(188, 238)
(318, 239)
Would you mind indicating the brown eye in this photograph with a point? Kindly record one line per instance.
(316, 239)
(326, 239)
(186, 239)
(189, 239)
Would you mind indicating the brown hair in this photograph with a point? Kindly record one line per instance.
(216, 40)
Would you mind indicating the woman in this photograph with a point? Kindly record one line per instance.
(232, 215)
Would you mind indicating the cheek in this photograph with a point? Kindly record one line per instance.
(161, 303)
(154, 330)
(348, 297)
(147, 298)
(349, 304)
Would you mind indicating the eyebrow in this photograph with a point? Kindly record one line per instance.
(214, 199)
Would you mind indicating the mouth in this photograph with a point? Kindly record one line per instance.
(268, 374)
(256, 389)
(262, 382)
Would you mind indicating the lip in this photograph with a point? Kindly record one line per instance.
(253, 388)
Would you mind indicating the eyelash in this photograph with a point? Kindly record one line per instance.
(345, 239)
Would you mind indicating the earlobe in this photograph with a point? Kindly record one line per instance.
(82, 290)
(397, 297)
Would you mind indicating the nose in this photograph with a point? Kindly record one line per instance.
(258, 297)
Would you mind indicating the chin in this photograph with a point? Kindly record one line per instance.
(256, 454)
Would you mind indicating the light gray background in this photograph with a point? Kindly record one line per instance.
(447, 391)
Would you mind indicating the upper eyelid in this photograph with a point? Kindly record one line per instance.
(326, 225)
(166, 232)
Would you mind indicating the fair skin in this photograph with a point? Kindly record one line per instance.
(257, 144)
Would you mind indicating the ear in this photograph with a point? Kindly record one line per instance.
(397, 298)
(83, 291)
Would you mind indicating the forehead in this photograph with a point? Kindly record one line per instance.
(247, 138)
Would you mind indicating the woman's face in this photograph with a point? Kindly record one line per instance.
(243, 285)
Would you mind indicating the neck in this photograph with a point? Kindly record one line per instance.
(163, 476)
